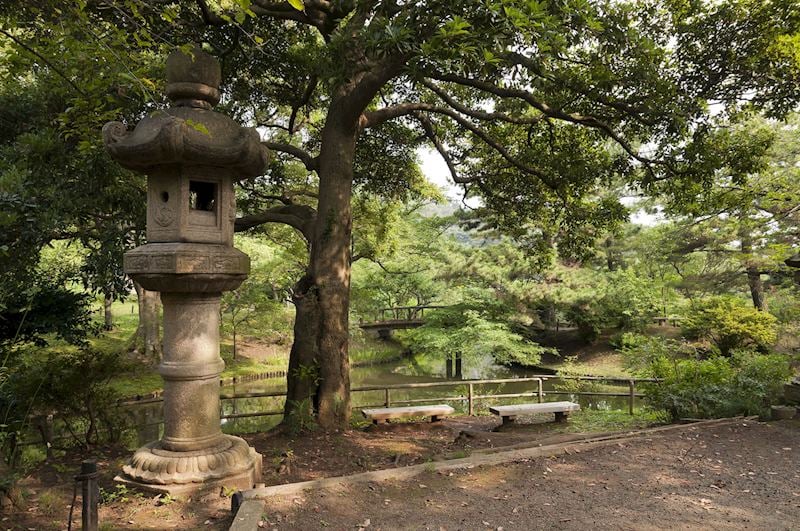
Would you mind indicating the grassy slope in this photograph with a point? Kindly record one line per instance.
(596, 359)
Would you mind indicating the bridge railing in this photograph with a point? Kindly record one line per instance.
(406, 312)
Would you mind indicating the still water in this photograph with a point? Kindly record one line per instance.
(147, 417)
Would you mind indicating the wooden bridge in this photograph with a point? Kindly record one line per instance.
(397, 318)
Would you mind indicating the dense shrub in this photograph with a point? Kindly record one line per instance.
(731, 323)
(626, 340)
(73, 386)
(630, 302)
(584, 315)
(744, 383)
(627, 303)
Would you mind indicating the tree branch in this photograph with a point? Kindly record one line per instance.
(629, 110)
(316, 13)
(311, 163)
(550, 112)
(427, 126)
(478, 114)
(45, 61)
(373, 118)
(312, 85)
(210, 17)
(299, 217)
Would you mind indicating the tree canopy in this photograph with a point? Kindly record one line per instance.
(535, 106)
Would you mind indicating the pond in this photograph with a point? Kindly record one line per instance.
(418, 369)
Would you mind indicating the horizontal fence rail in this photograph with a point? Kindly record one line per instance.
(419, 385)
(470, 398)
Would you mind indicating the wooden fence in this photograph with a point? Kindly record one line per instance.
(471, 398)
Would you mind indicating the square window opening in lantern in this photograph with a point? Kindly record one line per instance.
(203, 196)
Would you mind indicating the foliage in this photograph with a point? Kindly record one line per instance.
(627, 340)
(30, 315)
(730, 324)
(535, 107)
(745, 383)
(743, 223)
(471, 331)
(73, 385)
(301, 417)
(628, 303)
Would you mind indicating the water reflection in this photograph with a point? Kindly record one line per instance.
(411, 370)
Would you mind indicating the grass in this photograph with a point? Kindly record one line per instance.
(49, 502)
(598, 362)
(591, 420)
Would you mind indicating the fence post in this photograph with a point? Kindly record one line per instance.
(471, 402)
(631, 390)
(540, 390)
(386, 397)
(90, 494)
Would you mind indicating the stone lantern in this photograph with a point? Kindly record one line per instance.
(192, 155)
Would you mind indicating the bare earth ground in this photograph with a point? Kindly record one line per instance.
(742, 476)
(722, 477)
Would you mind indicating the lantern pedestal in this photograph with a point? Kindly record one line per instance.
(193, 454)
(232, 464)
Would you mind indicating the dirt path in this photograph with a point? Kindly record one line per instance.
(741, 476)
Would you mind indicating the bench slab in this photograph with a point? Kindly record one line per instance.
(386, 413)
(561, 409)
(528, 409)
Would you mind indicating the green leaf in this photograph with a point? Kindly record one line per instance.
(197, 126)
(298, 5)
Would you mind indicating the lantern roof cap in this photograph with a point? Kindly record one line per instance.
(189, 132)
(193, 78)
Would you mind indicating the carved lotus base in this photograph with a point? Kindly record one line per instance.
(232, 464)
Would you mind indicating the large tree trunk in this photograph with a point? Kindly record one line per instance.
(330, 263)
(147, 338)
(303, 374)
(108, 317)
(753, 273)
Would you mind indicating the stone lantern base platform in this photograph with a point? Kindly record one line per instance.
(231, 464)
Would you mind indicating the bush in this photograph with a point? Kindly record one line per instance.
(628, 304)
(731, 323)
(73, 386)
(584, 315)
(626, 340)
(744, 383)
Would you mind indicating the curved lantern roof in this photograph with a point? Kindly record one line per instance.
(189, 132)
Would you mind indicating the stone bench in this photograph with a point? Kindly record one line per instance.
(381, 415)
(509, 413)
